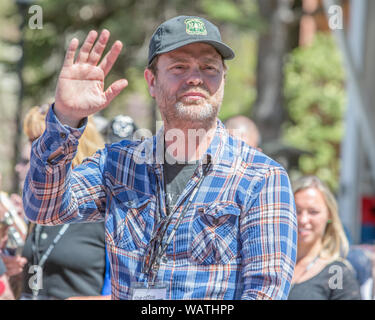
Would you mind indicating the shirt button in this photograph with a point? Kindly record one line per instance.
(130, 203)
(63, 135)
(44, 236)
(201, 210)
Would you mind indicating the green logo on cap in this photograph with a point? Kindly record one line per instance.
(195, 27)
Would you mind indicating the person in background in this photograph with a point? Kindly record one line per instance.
(362, 260)
(119, 128)
(6, 292)
(321, 272)
(245, 129)
(362, 264)
(77, 266)
(13, 235)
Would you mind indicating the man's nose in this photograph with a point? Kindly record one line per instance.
(195, 77)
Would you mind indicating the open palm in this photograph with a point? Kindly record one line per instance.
(80, 88)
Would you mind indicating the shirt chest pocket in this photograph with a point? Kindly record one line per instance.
(130, 220)
(214, 236)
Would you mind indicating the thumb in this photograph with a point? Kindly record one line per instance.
(114, 89)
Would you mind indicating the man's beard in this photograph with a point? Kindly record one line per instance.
(199, 113)
(195, 112)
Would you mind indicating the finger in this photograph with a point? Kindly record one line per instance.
(70, 53)
(86, 47)
(97, 51)
(114, 89)
(111, 57)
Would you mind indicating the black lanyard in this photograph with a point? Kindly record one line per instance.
(160, 248)
(35, 245)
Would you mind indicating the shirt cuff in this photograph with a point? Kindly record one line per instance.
(57, 136)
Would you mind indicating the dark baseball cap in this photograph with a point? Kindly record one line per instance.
(182, 30)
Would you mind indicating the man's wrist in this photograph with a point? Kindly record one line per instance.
(66, 120)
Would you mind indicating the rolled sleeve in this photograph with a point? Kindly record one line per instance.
(57, 136)
(54, 193)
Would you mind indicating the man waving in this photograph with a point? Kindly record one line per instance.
(191, 213)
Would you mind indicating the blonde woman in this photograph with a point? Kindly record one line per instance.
(321, 272)
(73, 259)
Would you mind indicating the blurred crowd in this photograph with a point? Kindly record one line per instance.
(71, 262)
(56, 262)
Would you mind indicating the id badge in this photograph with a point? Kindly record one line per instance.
(156, 291)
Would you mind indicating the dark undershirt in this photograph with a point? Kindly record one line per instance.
(176, 177)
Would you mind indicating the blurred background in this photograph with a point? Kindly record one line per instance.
(303, 72)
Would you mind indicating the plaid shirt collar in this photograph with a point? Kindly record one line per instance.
(151, 150)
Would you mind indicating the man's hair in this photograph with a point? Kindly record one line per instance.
(153, 65)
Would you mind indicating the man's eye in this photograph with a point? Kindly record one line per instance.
(210, 68)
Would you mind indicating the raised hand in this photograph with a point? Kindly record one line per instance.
(80, 87)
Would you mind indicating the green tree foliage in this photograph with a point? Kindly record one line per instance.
(240, 90)
(132, 22)
(315, 99)
(239, 23)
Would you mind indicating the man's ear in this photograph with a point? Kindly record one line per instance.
(150, 79)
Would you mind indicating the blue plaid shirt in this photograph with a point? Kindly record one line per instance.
(236, 241)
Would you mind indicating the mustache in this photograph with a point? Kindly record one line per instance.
(199, 90)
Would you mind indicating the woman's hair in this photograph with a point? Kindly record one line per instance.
(335, 243)
(90, 141)
(34, 122)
